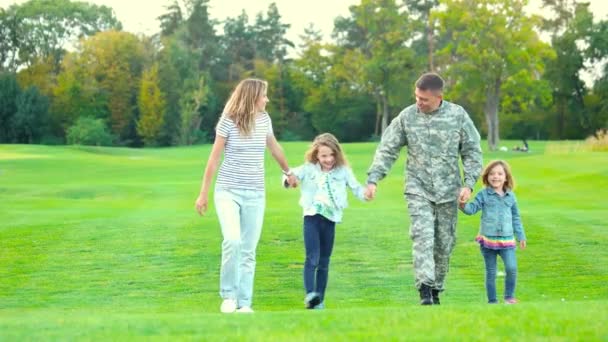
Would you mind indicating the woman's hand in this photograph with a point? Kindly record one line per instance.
(201, 204)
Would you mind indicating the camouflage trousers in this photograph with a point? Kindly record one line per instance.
(433, 234)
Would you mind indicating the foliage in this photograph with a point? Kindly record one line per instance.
(31, 121)
(570, 29)
(191, 102)
(151, 107)
(104, 76)
(89, 131)
(40, 29)
(374, 56)
(9, 92)
(495, 57)
(512, 83)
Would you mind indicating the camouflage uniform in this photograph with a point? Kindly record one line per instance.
(435, 142)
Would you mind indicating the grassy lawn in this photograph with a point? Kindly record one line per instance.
(105, 244)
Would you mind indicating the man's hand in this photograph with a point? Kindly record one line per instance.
(370, 192)
(465, 195)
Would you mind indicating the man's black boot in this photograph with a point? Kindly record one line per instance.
(435, 296)
(425, 295)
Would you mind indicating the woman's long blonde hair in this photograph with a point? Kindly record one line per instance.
(328, 140)
(241, 106)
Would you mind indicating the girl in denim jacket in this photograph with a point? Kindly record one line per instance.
(323, 181)
(500, 227)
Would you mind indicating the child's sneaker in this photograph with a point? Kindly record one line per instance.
(510, 301)
(319, 306)
(311, 300)
(228, 306)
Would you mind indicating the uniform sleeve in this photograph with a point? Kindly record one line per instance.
(387, 152)
(224, 126)
(475, 206)
(518, 228)
(470, 151)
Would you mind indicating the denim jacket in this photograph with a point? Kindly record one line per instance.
(339, 179)
(499, 214)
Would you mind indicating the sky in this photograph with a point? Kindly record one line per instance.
(139, 16)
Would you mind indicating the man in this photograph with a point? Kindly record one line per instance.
(436, 133)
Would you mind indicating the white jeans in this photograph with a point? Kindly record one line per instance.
(241, 214)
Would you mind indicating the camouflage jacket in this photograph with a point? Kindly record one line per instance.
(435, 142)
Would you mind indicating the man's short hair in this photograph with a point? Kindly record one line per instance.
(430, 81)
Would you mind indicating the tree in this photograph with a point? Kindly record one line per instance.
(239, 48)
(41, 74)
(200, 34)
(9, 40)
(103, 75)
(30, 122)
(493, 47)
(421, 9)
(269, 36)
(190, 103)
(9, 92)
(38, 29)
(151, 107)
(172, 20)
(76, 94)
(597, 102)
(570, 31)
(376, 58)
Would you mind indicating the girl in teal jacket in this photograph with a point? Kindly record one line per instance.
(323, 181)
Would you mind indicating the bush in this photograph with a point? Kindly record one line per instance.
(599, 141)
(89, 131)
(288, 135)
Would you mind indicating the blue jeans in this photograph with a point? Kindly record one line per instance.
(510, 262)
(319, 234)
(241, 214)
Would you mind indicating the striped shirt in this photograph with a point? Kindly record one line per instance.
(243, 164)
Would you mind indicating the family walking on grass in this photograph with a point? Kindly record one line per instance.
(438, 135)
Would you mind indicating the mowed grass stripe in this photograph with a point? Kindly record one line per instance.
(104, 243)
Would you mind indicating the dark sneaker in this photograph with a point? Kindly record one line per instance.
(311, 300)
(435, 294)
(426, 297)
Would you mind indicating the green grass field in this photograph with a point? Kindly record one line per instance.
(105, 244)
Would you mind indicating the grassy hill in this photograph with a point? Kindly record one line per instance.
(104, 243)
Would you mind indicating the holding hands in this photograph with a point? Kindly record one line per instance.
(290, 181)
(370, 192)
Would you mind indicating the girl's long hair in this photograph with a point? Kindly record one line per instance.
(509, 181)
(241, 106)
(329, 140)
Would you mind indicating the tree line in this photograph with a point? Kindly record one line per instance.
(70, 74)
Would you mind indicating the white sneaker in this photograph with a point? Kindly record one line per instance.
(228, 306)
(244, 309)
